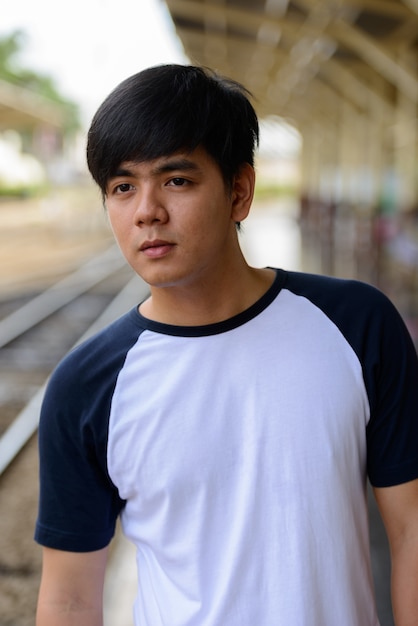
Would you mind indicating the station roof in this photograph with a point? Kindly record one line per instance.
(302, 58)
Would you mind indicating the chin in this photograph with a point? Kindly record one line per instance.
(160, 279)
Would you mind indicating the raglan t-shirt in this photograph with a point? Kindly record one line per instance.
(236, 453)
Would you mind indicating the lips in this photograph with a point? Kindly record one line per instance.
(156, 248)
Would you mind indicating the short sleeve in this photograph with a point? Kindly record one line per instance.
(78, 503)
(391, 373)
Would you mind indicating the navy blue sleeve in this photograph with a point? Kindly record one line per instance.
(377, 333)
(391, 375)
(78, 504)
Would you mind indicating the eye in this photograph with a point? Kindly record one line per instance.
(123, 188)
(178, 181)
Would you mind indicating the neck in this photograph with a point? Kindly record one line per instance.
(208, 301)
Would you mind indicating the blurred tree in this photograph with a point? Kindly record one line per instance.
(10, 71)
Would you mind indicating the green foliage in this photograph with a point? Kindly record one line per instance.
(11, 71)
(270, 190)
(22, 192)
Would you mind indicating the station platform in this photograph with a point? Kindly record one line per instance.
(271, 236)
(120, 584)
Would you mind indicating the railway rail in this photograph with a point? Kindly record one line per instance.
(40, 308)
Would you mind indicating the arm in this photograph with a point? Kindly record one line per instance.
(399, 509)
(71, 591)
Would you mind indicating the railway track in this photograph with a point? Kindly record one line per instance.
(75, 300)
(36, 330)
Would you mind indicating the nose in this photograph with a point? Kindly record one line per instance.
(150, 208)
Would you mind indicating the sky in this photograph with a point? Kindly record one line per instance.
(90, 46)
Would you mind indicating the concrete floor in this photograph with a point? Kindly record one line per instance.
(270, 237)
(380, 563)
(120, 584)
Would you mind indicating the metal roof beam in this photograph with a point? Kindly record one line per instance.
(248, 21)
(412, 4)
(376, 56)
(354, 89)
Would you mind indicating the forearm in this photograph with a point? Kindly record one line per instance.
(68, 612)
(405, 585)
(71, 590)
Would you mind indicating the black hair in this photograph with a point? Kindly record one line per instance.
(168, 108)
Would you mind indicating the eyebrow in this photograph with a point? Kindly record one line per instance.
(171, 165)
(122, 172)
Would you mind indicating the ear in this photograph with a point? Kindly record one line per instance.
(242, 192)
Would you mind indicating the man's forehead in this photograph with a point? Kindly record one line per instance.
(180, 161)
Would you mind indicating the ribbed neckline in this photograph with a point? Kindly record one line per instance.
(218, 327)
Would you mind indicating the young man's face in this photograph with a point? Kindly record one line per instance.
(174, 218)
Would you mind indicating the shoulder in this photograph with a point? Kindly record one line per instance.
(93, 366)
(103, 351)
(354, 306)
(76, 404)
(328, 291)
(365, 316)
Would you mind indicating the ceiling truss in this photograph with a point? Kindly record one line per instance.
(289, 51)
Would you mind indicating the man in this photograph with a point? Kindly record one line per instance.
(232, 418)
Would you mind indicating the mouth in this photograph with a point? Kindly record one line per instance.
(156, 248)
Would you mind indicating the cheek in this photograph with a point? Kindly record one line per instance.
(118, 224)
